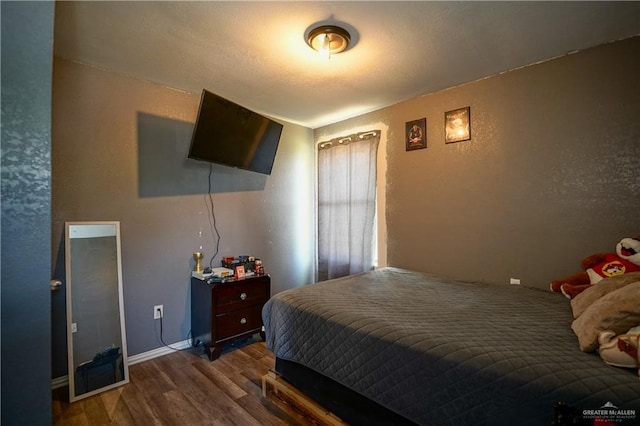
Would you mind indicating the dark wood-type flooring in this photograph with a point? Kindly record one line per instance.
(184, 388)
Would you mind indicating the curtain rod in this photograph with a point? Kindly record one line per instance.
(348, 139)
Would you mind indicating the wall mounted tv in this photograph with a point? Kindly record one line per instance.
(229, 134)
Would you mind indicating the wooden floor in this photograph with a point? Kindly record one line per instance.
(184, 388)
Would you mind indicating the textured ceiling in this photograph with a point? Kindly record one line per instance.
(255, 54)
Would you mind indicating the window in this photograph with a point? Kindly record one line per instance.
(347, 205)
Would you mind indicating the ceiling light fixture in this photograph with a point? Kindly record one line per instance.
(329, 39)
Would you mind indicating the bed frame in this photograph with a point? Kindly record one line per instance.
(333, 404)
(352, 407)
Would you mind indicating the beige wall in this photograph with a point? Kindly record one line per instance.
(119, 153)
(551, 174)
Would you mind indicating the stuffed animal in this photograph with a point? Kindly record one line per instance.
(601, 265)
(621, 351)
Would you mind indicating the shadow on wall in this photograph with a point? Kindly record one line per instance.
(164, 169)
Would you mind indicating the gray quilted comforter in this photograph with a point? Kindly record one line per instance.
(440, 352)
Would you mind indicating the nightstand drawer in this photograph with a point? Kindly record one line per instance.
(239, 296)
(238, 322)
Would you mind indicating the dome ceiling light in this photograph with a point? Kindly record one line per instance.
(329, 40)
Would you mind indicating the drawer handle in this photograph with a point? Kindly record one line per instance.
(243, 296)
(243, 320)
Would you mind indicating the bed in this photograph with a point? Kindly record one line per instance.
(414, 348)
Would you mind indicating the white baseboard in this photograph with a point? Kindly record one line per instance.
(61, 381)
(155, 353)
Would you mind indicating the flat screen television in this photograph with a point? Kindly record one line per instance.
(229, 134)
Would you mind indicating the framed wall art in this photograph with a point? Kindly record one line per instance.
(457, 125)
(416, 134)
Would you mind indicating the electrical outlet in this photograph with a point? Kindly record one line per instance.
(158, 312)
(515, 281)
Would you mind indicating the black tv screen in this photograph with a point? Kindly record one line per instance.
(229, 134)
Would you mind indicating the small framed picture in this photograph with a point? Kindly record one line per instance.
(240, 272)
(457, 125)
(416, 134)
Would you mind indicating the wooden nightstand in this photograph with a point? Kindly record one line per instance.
(224, 311)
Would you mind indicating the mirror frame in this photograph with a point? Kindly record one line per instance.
(69, 284)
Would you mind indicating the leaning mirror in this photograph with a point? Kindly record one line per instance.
(96, 340)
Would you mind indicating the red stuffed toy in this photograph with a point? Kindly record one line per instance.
(601, 265)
